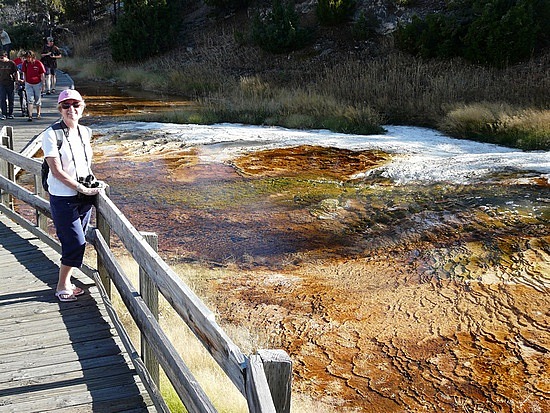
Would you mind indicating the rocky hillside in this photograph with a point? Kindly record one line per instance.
(210, 38)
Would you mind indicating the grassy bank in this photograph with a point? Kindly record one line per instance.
(505, 106)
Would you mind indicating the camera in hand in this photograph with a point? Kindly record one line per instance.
(89, 182)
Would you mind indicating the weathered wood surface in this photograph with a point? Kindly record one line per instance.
(26, 130)
(63, 357)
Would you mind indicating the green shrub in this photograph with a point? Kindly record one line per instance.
(437, 35)
(366, 26)
(145, 30)
(279, 30)
(502, 34)
(25, 36)
(404, 3)
(228, 5)
(497, 33)
(334, 12)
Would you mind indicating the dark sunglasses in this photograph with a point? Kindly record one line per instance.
(68, 105)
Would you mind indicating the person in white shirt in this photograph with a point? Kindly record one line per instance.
(6, 41)
(71, 185)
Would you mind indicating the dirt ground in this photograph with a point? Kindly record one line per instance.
(388, 299)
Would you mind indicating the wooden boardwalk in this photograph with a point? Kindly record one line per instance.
(62, 357)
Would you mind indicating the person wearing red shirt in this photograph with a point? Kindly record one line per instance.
(33, 75)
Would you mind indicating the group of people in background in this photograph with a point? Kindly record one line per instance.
(29, 76)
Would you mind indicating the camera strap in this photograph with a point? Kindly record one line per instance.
(66, 132)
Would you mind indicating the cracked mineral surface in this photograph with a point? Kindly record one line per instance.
(388, 298)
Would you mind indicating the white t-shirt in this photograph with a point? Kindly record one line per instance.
(78, 145)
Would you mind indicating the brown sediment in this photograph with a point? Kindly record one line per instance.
(388, 298)
(310, 162)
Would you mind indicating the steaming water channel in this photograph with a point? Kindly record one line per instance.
(402, 272)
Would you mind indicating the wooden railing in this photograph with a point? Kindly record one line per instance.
(263, 378)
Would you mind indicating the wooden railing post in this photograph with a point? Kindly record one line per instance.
(6, 169)
(41, 219)
(278, 371)
(150, 294)
(105, 230)
(268, 382)
(258, 395)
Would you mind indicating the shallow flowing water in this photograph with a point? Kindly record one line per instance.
(109, 100)
(402, 272)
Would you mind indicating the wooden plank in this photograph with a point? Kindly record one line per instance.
(105, 230)
(103, 347)
(43, 300)
(83, 408)
(47, 304)
(54, 323)
(258, 395)
(150, 295)
(106, 396)
(278, 370)
(95, 368)
(28, 164)
(32, 342)
(26, 196)
(6, 142)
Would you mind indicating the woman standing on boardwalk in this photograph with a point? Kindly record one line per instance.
(5, 40)
(72, 186)
(50, 54)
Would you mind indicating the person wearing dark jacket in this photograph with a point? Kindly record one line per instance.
(50, 54)
(8, 76)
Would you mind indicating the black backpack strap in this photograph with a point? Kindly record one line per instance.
(60, 130)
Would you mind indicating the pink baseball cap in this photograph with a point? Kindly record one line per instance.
(69, 94)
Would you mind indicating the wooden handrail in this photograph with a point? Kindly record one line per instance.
(186, 386)
(190, 308)
(264, 378)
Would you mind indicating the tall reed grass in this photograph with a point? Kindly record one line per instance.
(500, 124)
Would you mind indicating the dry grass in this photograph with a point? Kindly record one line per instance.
(220, 390)
(415, 90)
(500, 123)
(90, 41)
